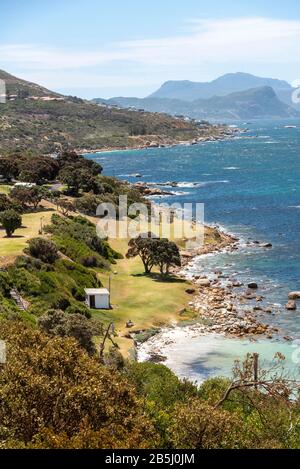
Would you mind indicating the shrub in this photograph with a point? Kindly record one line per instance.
(79, 309)
(89, 261)
(43, 249)
(5, 283)
(11, 221)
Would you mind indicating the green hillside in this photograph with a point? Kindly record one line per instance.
(36, 119)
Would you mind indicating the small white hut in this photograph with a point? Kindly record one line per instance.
(97, 298)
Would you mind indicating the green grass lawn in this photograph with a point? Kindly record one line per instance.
(148, 301)
(10, 248)
(5, 188)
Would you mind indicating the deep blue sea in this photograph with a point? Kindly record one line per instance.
(250, 186)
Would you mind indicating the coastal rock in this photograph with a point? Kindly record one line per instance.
(291, 305)
(267, 245)
(157, 358)
(186, 254)
(253, 286)
(190, 291)
(129, 324)
(294, 295)
(237, 284)
(204, 282)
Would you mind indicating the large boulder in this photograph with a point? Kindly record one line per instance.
(294, 295)
(205, 282)
(291, 305)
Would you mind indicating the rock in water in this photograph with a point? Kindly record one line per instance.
(267, 245)
(291, 305)
(253, 286)
(294, 295)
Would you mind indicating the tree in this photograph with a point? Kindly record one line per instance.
(43, 249)
(4, 202)
(38, 170)
(144, 247)
(9, 168)
(65, 206)
(28, 195)
(71, 177)
(11, 221)
(166, 255)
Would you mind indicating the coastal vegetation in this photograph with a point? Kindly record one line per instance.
(44, 122)
(56, 394)
(70, 380)
(154, 251)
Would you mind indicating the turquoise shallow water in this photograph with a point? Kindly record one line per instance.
(201, 357)
(250, 186)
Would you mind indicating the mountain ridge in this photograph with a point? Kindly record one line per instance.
(255, 103)
(226, 84)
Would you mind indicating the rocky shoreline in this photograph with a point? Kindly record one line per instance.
(221, 302)
(158, 141)
(223, 305)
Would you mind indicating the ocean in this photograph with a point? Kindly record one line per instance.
(250, 187)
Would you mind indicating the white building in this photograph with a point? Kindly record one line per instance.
(97, 298)
(26, 185)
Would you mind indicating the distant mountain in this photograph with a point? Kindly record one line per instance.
(255, 103)
(224, 85)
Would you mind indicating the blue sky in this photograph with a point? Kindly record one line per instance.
(106, 48)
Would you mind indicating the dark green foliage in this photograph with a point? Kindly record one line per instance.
(28, 196)
(166, 255)
(144, 247)
(5, 283)
(8, 167)
(43, 249)
(79, 309)
(77, 239)
(45, 286)
(154, 251)
(38, 170)
(160, 384)
(78, 172)
(11, 221)
(4, 203)
(57, 323)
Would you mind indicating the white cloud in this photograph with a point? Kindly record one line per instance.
(213, 44)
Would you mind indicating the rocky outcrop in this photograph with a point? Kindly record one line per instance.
(291, 305)
(294, 295)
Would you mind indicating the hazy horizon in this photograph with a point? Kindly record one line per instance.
(97, 49)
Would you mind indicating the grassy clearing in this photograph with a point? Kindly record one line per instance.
(10, 248)
(5, 189)
(148, 301)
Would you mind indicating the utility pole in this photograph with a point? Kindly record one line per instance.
(109, 289)
(255, 368)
